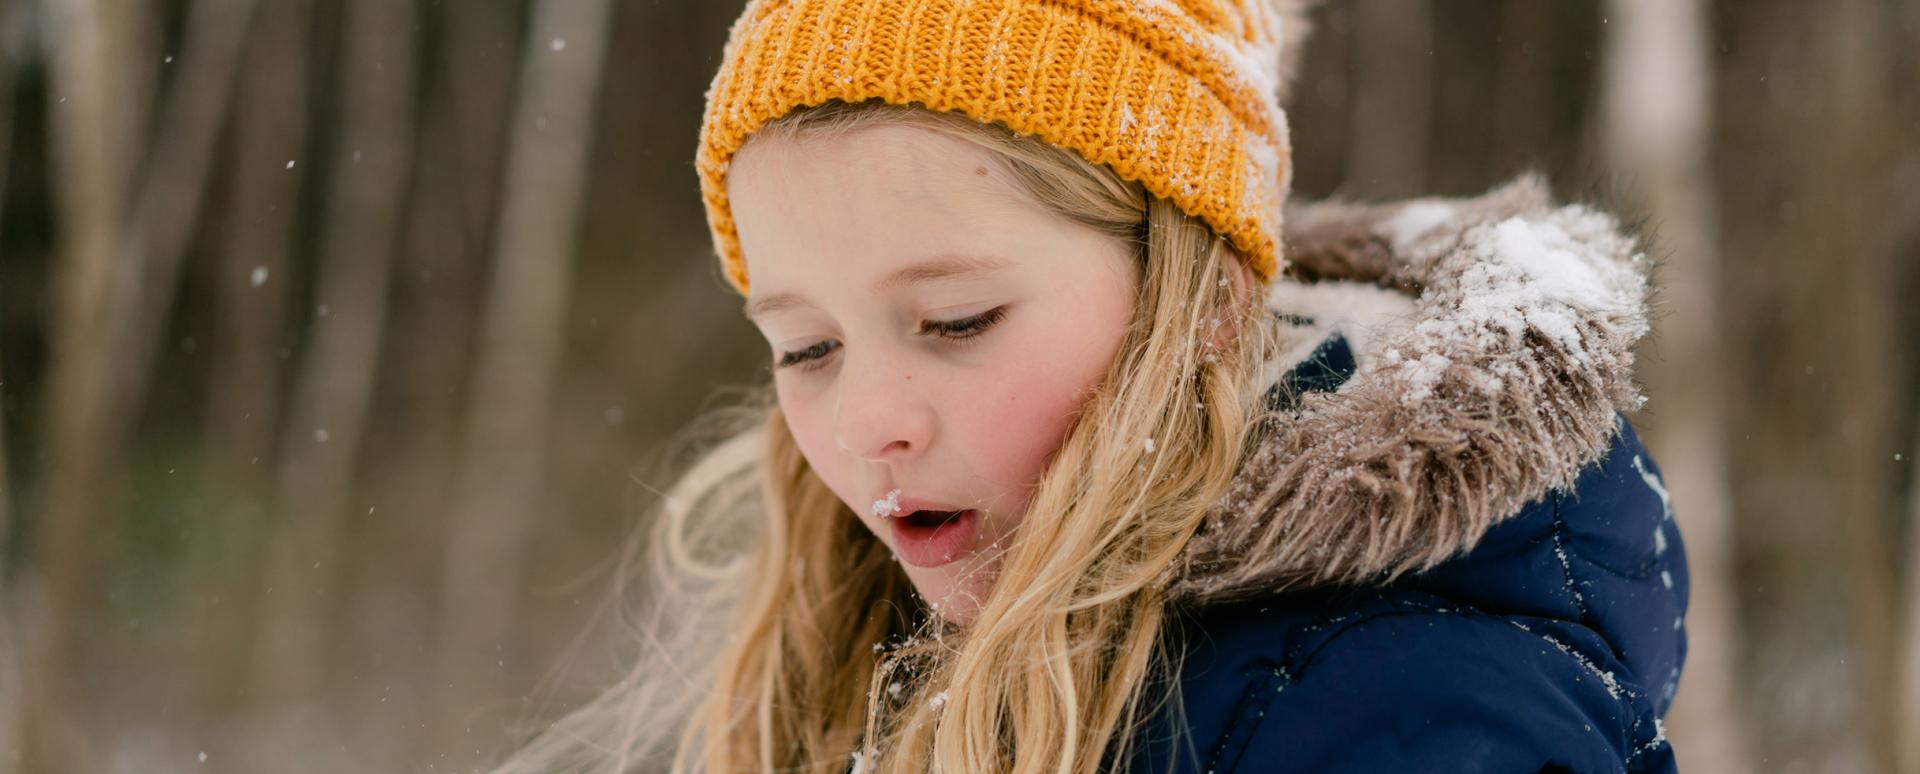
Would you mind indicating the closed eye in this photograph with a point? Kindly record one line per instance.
(809, 355)
(963, 329)
(966, 328)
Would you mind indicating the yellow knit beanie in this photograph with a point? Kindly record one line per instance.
(1181, 95)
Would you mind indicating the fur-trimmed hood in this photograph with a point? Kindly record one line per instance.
(1492, 343)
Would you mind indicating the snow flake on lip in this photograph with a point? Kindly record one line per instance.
(886, 506)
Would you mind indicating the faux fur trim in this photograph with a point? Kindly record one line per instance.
(1502, 385)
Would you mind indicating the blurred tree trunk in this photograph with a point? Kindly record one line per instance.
(1427, 99)
(1392, 118)
(87, 118)
(10, 689)
(412, 455)
(12, 20)
(499, 491)
(1909, 654)
(482, 54)
(1656, 96)
(254, 284)
(1805, 153)
(118, 267)
(368, 178)
(1907, 99)
(1531, 82)
(255, 280)
(1462, 90)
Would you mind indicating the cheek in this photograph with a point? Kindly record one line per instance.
(1024, 414)
(812, 432)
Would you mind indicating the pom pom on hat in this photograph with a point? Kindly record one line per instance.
(1181, 95)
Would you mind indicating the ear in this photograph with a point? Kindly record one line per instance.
(1244, 286)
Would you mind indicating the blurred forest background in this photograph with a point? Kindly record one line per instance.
(340, 339)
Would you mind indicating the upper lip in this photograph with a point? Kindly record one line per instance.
(911, 504)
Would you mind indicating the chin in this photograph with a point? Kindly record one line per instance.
(959, 609)
(955, 597)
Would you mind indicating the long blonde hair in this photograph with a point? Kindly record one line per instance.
(780, 634)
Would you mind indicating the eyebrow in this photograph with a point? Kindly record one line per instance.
(944, 267)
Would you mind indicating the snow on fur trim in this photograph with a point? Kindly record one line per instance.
(1503, 386)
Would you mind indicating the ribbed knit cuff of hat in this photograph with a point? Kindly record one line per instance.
(1181, 96)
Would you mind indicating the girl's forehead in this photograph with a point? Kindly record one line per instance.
(901, 153)
(875, 201)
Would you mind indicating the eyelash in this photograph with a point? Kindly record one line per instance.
(958, 331)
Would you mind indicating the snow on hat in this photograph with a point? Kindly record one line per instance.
(1181, 95)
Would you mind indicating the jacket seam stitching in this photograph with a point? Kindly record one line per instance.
(1277, 679)
(1566, 562)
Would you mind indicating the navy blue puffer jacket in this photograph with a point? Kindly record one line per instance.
(1537, 627)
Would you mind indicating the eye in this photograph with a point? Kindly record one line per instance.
(808, 359)
(965, 328)
(813, 357)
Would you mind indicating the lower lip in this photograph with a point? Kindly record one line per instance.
(933, 546)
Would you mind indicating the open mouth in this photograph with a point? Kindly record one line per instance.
(933, 538)
(928, 519)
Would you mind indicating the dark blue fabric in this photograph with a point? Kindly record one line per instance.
(1554, 645)
(1330, 365)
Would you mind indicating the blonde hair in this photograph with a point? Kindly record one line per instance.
(828, 654)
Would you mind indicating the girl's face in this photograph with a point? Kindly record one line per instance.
(934, 332)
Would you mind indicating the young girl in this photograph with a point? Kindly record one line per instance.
(1074, 462)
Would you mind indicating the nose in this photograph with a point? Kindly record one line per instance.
(879, 414)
